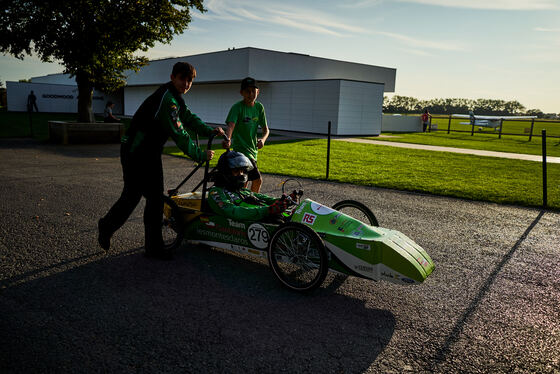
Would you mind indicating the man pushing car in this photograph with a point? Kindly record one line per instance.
(162, 115)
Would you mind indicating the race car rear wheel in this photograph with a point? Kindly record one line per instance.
(356, 210)
(298, 257)
(171, 225)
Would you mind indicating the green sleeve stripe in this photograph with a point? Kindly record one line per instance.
(160, 103)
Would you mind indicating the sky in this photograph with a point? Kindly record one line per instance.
(494, 49)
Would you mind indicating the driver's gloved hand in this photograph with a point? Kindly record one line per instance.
(295, 194)
(278, 206)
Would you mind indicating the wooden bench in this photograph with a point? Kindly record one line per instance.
(75, 132)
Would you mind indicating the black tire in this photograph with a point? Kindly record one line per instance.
(357, 210)
(172, 229)
(298, 257)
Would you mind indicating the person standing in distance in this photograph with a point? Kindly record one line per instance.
(108, 116)
(32, 102)
(243, 121)
(162, 115)
(425, 118)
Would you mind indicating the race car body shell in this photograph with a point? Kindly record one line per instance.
(367, 251)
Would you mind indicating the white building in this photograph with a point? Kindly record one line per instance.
(299, 92)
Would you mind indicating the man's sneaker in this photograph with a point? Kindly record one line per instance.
(103, 238)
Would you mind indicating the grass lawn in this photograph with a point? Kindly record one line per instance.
(484, 141)
(439, 173)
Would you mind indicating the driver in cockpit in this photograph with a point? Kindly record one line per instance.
(228, 197)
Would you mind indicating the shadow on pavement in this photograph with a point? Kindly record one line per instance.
(453, 337)
(206, 311)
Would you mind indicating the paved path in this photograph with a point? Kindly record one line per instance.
(490, 306)
(478, 152)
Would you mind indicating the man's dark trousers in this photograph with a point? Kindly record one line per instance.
(143, 176)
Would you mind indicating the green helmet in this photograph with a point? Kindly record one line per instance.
(229, 161)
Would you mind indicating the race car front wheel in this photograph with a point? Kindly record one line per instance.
(356, 210)
(171, 225)
(298, 257)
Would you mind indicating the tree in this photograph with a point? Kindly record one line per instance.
(406, 104)
(535, 112)
(95, 40)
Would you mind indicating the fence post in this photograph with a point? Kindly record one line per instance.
(449, 124)
(328, 149)
(544, 168)
(501, 125)
(532, 125)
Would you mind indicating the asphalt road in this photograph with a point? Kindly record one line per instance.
(491, 305)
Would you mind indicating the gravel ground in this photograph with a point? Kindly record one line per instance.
(491, 305)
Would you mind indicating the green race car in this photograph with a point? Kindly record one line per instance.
(310, 240)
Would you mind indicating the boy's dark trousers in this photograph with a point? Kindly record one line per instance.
(143, 176)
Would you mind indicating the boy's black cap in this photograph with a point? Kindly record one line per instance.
(248, 82)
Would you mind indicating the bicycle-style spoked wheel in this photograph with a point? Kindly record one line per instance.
(171, 225)
(356, 210)
(298, 257)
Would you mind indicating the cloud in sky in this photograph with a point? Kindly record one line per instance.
(544, 29)
(361, 4)
(420, 43)
(468, 4)
(270, 13)
(311, 20)
(492, 4)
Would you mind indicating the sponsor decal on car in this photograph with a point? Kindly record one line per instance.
(368, 269)
(239, 225)
(389, 275)
(344, 226)
(221, 236)
(258, 235)
(422, 261)
(321, 209)
(207, 221)
(334, 219)
(363, 246)
(309, 218)
(301, 207)
(358, 232)
(231, 230)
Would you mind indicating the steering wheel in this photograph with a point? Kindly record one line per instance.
(293, 190)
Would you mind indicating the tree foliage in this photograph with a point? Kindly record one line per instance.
(405, 104)
(95, 40)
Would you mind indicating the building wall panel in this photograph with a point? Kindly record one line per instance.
(360, 108)
(56, 98)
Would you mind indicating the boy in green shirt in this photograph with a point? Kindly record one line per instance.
(243, 121)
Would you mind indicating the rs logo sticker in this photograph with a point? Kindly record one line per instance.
(308, 218)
